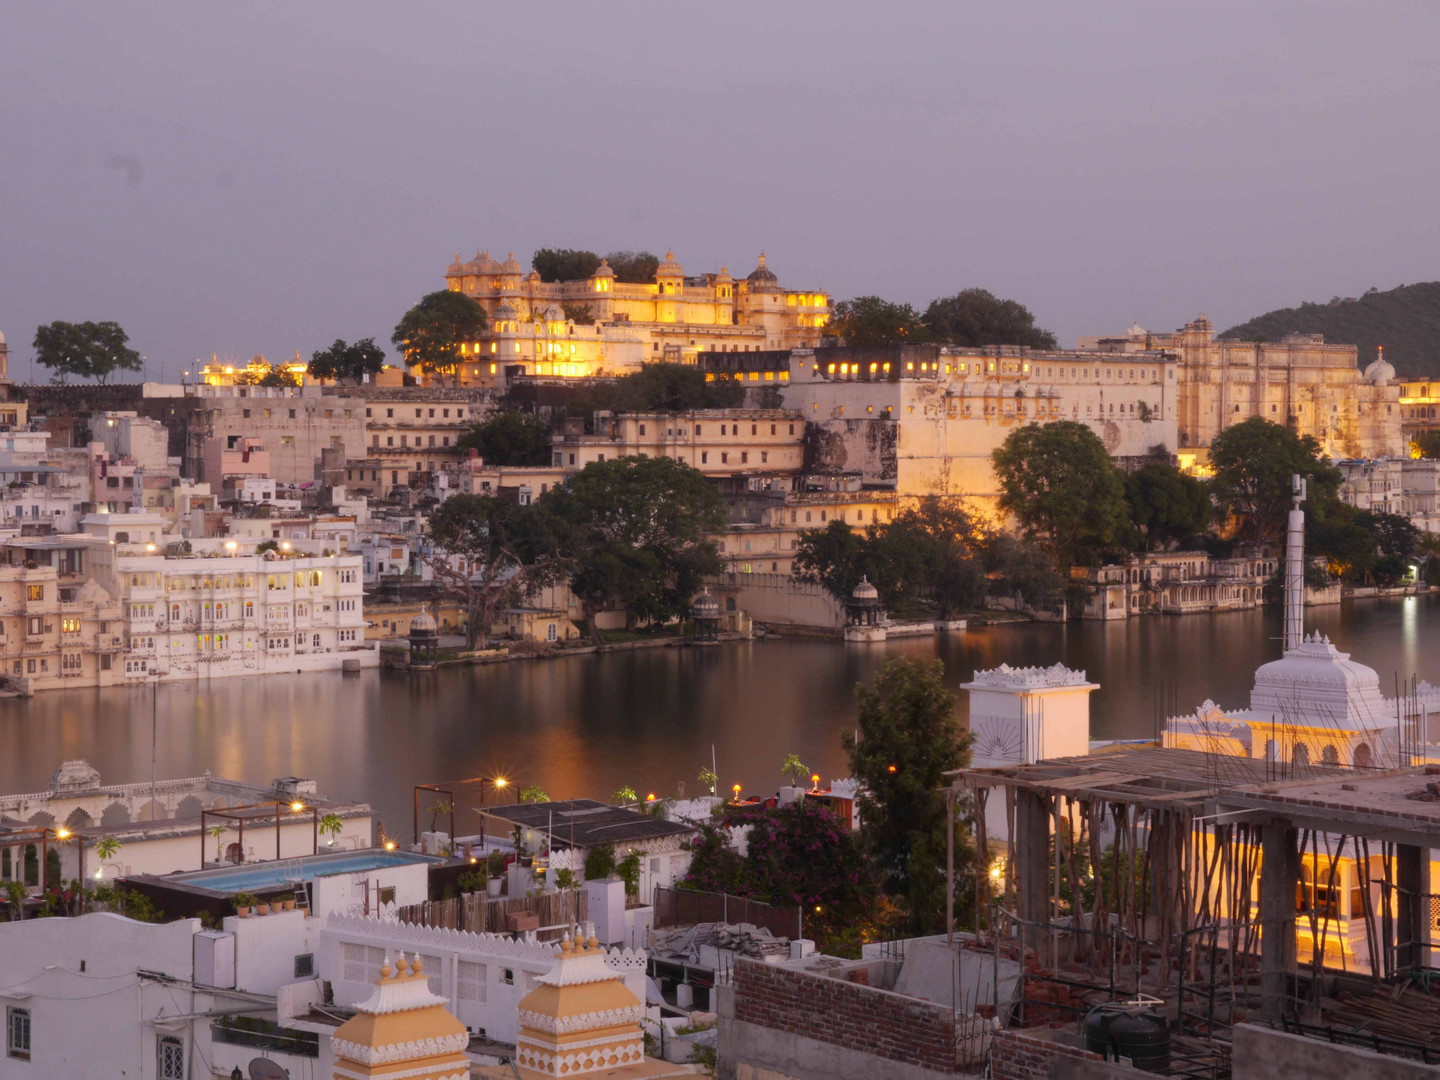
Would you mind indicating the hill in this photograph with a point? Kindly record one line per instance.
(1406, 320)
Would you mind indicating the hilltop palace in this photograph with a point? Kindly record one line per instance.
(538, 328)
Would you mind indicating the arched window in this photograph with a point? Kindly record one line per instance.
(122, 537)
(1330, 755)
(1364, 757)
(1300, 754)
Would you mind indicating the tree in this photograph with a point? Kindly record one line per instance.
(216, 832)
(1166, 505)
(623, 796)
(633, 267)
(491, 553)
(795, 769)
(871, 320)
(579, 314)
(511, 438)
(978, 317)
(1058, 482)
(107, 847)
(834, 557)
(1425, 444)
(347, 363)
(263, 373)
(929, 549)
(430, 333)
(708, 778)
(637, 529)
(564, 264)
(1023, 572)
(533, 794)
(1254, 462)
(909, 738)
(87, 350)
(331, 825)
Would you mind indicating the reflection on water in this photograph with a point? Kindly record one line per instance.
(586, 725)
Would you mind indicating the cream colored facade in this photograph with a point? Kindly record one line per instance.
(57, 631)
(925, 419)
(766, 544)
(1314, 387)
(717, 442)
(1419, 407)
(673, 318)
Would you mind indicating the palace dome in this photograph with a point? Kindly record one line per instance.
(533, 277)
(1379, 373)
(483, 264)
(603, 270)
(554, 313)
(705, 606)
(762, 277)
(456, 267)
(506, 311)
(580, 1018)
(510, 266)
(424, 623)
(670, 268)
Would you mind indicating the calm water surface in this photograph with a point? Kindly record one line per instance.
(585, 725)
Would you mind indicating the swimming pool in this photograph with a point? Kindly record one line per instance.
(294, 871)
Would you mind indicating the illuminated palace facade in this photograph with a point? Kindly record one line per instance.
(673, 318)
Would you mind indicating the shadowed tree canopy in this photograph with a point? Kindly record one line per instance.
(1166, 505)
(1058, 482)
(909, 737)
(564, 264)
(273, 375)
(658, 387)
(510, 437)
(979, 317)
(431, 332)
(87, 350)
(871, 320)
(501, 553)
(637, 531)
(834, 557)
(347, 363)
(634, 267)
(1253, 462)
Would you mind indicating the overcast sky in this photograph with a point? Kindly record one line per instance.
(246, 178)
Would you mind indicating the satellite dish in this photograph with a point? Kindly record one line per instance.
(265, 1069)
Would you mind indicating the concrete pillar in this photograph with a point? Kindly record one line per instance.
(1412, 915)
(1279, 875)
(1030, 860)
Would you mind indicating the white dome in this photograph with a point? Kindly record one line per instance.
(424, 623)
(1316, 685)
(1380, 373)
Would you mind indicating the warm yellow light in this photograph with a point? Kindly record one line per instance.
(100, 874)
(736, 789)
(150, 547)
(231, 545)
(63, 833)
(285, 546)
(389, 845)
(815, 779)
(297, 806)
(473, 859)
(650, 798)
(996, 873)
(500, 781)
(892, 768)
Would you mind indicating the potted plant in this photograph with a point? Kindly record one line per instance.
(217, 831)
(262, 907)
(243, 902)
(288, 903)
(495, 863)
(331, 825)
(628, 871)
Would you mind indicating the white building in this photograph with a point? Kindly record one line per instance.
(158, 828)
(217, 607)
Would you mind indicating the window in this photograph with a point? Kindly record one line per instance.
(315, 641)
(70, 626)
(170, 1058)
(292, 414)
(34, 592)
(507, 976)
(390, 413)
(470, 982)
(17, 1033)
(35, 625)
(245, 413)
(304, 965)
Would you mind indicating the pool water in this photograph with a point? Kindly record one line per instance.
(295, 871)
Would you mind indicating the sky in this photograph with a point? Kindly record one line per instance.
(264, 178)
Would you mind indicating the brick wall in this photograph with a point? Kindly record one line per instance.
(1016, 1056)
(859, 1018)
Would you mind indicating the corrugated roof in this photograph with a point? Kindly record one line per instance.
(588, 823)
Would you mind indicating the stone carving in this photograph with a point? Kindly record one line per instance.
(385, 1055)
(565, 1025)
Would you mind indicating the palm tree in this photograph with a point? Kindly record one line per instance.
(331, 825)
(15, 892)
(217, 831)
(438, 808)
(623, 796)
(107, 847)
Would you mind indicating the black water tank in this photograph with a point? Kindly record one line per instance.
(1144, 1038)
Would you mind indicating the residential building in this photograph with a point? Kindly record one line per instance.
(1409, 487)
(414, 429)
(1301, 381)
(125, 435)
(614, 327)
(717, 442)
(766, 525)
(220, 608)
(1419, 399)
(293, 426)
(1179, 583)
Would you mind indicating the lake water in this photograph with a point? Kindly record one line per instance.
(585, 725)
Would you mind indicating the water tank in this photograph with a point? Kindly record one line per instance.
(1143, 1037)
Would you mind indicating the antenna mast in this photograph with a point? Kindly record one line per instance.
(1295, 567)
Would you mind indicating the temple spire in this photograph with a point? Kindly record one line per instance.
(1295, 568)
